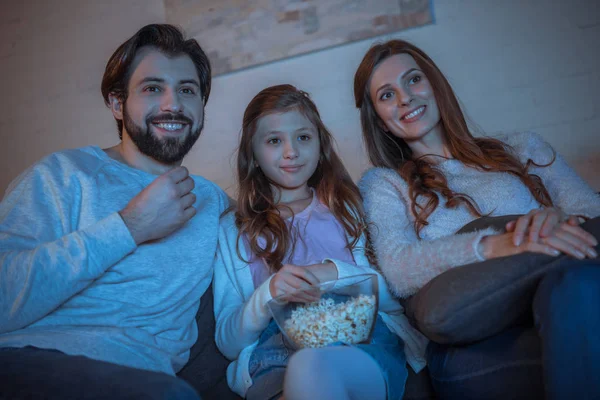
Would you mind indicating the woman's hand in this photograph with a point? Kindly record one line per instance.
(291, 278)
(551, 227)
(539, 223)
(502, 245)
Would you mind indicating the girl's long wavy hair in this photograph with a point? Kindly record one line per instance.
(424, 180)
(257, 214)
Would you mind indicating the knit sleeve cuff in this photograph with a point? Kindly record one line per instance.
(345, 269)
(477, 240)
(111, 240)
(259, 300)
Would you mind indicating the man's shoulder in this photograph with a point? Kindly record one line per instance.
(205, 184)
(211, 189)
(227, 220)
(83, 158)
(61, 165)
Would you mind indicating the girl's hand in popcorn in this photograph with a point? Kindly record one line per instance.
(291, 278)
(325, 272)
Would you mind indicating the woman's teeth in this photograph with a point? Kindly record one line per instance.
(414, 113)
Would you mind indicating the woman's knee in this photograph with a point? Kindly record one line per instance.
(481, 370)
(571, 294)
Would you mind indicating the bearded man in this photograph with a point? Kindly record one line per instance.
(105, 253)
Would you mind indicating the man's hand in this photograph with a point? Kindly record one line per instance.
(162, 207)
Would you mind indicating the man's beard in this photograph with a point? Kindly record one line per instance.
(166, 150)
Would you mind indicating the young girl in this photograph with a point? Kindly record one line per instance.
(433, 177)
(298, 222)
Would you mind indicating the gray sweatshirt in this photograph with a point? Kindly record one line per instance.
(72, 278)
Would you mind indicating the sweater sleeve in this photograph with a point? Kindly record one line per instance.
(43, 262)
(407, 262)
(386, 301)
(239, 322)
(394, 317)
(566, 188)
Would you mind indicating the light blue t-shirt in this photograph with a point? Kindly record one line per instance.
(73, 279)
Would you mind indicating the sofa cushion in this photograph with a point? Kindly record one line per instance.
(206, 368)
(475, 301)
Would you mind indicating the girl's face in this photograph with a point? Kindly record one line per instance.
(286, 147)
(404, 100)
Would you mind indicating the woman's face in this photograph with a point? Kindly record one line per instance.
(404, 100)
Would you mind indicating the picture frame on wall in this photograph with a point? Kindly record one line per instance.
(238, 34)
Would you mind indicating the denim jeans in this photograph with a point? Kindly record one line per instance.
(556, 358)
(269, 360)
(33, 373)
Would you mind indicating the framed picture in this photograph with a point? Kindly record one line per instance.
(238, 34)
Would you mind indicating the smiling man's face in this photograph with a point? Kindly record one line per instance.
(164, 111)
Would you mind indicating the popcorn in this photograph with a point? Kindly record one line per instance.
(325, 322)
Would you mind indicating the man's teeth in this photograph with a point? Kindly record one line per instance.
(170, 127)
(415, 113)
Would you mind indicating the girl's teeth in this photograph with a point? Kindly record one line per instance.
(414, 113)
(170, 127)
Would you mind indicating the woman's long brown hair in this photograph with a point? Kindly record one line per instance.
(257, 213)
(424, 180)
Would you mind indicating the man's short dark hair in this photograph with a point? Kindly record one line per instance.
(166, 38)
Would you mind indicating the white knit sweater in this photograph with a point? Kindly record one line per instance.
(409, 263)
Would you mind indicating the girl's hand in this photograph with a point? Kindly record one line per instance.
(291, 278)
(325, 272)
(566, 236)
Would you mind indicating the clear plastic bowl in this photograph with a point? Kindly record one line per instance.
(345, 313)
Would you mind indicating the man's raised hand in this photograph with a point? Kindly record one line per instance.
(162, 207)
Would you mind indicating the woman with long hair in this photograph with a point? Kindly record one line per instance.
(299, 221)
(431, 178)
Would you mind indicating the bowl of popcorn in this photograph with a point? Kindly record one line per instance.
(344, 313)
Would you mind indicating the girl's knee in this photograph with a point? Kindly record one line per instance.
(304, 372)
(304, 362)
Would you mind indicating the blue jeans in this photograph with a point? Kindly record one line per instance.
(557, 358)
(33, 373)
(270, 358)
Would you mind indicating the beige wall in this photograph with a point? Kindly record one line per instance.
(516, 65)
